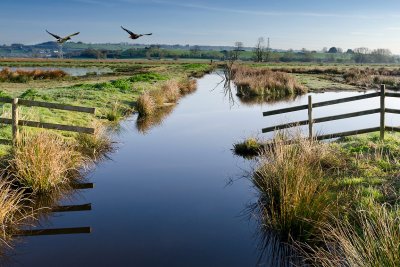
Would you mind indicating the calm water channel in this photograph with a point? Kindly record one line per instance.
(164, 197)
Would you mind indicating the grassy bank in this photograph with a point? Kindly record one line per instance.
(336, 203)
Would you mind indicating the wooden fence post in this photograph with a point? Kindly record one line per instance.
(382, 124)
(15, 131)
(310, 118)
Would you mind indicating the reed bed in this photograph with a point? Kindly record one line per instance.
(22, 76)
(265, 82)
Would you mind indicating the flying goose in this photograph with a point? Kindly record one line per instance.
(62, 40)
(134, 35)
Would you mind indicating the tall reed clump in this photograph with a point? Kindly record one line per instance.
(370, 238)
(94, 146)
(265, 82)
(294, 190)
(171, 91)
(22, 76)
(44, 162)
(145, 105)
(187, 86)
(12, 204)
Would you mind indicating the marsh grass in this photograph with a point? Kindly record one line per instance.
(13, 211)
(22, 76)
(265, 82)
(97, 145)
(158, 97)
(145, 105)
(187, 86)
(371, 237)
(171, 91)
(115, 112)
(44, 162)
(294, 189)
(248, 148)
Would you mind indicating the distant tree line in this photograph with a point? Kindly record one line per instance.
(260, 52)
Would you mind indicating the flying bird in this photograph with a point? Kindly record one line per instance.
(62, 40)
(134, 35)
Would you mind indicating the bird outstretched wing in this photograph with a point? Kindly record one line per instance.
(72, 34)
(55, 36)
(128, 31)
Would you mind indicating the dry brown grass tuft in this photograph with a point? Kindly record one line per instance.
(44, 162)
(187, 86)
(171, 91)
(158, 97)
(145, 105)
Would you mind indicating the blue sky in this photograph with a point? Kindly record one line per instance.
(289, 23)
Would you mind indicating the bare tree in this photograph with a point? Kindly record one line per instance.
(361, 54)
(259, 50)
(267, 54)
(234, 55)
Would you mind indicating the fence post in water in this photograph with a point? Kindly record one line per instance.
(15, 131)
(310, 118)
(382, 124)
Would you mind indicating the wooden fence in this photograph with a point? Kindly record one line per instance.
(15, 121)
(311, 121)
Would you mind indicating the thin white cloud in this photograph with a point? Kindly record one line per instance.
(255, 12)
(95, 2)
(392, 28)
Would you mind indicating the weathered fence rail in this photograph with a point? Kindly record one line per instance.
(15, 120)
(311, 121)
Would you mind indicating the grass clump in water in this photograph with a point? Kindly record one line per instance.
(44, 162)
(294, 190)
(145, 105)
(265, 82)
(171, 91)
(248, 148)
(187, 86)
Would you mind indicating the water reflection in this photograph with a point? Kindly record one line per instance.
(146, 123)
(37, 214)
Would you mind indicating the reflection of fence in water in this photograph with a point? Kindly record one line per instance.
(67, 208)
(310, 122)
